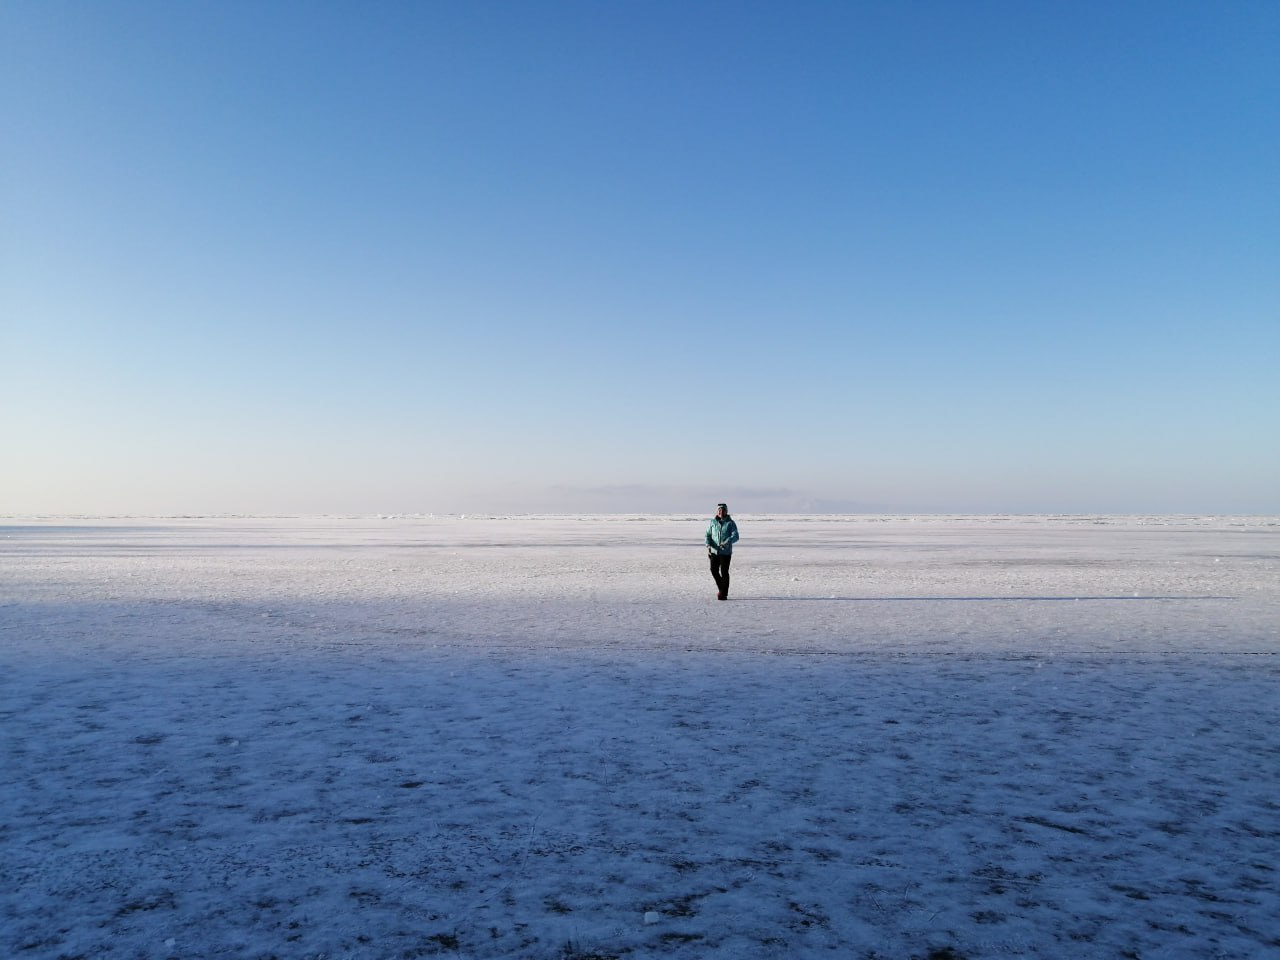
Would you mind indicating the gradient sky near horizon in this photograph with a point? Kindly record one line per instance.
(639, 257)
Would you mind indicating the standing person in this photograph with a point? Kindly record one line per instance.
(722, 534)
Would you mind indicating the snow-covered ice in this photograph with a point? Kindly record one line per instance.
(543, 737)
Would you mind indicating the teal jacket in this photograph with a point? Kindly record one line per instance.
(721, 536)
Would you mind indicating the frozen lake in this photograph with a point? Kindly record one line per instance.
(543, 737)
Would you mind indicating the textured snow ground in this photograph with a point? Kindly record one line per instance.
(544, 738)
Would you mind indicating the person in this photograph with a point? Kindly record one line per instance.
(722, 534)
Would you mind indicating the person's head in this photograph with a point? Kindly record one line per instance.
(722, 510)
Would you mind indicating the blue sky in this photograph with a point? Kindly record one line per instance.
(508, 257)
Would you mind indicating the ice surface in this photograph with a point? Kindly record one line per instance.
(543, 737)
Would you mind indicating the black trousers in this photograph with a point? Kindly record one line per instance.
(720, 572)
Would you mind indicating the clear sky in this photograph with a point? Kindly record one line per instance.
(639, 256)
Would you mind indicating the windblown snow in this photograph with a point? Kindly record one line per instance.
(543, 737)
